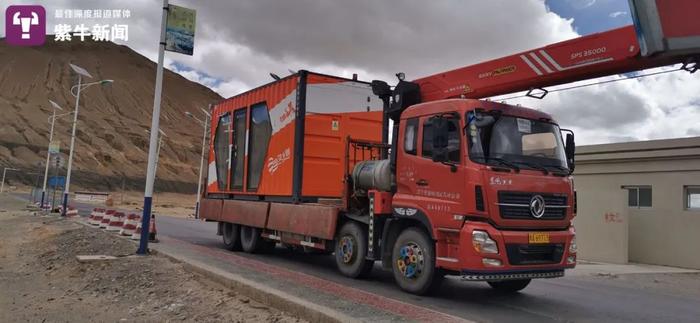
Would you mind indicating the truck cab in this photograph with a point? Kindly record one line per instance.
(492, 182)
(486, 189)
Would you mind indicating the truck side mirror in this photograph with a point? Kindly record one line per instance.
(570, 150)
(441, 130)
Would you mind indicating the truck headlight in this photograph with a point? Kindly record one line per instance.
(572, 246)
(483, 243)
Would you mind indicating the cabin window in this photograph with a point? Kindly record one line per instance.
(453, 146)
(410, 137)
(260, 133)
(221, 149)
(239, 149)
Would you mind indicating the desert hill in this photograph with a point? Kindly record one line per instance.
(111, 141)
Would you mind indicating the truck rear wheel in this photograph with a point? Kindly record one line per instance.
(232, 237)
(510, 286)
(413, 262)
(351, 251)
(251, 241)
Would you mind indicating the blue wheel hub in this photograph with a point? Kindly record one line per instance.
(410, 261)
(347, 248)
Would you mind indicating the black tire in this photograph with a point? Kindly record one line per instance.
(231, 236)
(415, 275)
(351, 251)
(251, 241)
(510, 286)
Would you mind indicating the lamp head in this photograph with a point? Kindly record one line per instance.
(55, 105)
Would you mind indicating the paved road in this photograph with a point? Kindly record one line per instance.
(573, 298)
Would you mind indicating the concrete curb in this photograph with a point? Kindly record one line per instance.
(264, 294)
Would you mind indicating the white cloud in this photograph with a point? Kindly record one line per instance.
(654, 107)
(238, 43)
(618, 14)
(581, 4)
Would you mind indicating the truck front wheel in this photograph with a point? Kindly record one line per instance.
(413, 262)
(351, 251)
(232, 238)
(509, 286)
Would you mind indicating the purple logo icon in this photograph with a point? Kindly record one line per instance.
(25, 25)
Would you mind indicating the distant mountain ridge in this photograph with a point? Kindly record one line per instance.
(111, 141)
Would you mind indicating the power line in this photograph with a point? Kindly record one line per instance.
(594, 83)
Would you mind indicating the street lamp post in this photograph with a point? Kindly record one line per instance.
(4, 171)
(48, 154)
(161, 134)
(79, 87)
(205, 125)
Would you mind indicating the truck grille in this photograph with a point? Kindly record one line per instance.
(531, 254)
(516, 205)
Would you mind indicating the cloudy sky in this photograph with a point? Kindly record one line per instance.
(239, 42)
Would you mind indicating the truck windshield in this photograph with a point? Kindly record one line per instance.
(517, 143)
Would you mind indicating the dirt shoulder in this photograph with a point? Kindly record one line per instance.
(41, 280)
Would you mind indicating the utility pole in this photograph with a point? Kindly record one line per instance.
(153, 143)
(48, 154)
(2, 185)
(80, 86)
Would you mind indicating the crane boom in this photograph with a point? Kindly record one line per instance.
(659, 38)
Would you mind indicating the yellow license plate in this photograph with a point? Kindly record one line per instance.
(538, 237)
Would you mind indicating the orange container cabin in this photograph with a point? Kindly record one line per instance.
(286, 141)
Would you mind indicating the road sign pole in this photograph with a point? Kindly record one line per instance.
(66, 189)
(153, 144)
(48, 157)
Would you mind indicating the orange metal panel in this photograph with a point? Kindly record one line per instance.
(210, 209)
(315, 220)
(280, 97)
(251, 213)
(335, 109)
(324, 148)
(382, 202)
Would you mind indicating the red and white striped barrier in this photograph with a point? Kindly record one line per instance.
(151, 231)
(132, 220)
(116, 222)
(96, 216)
(137, 231)
(106, 218)
(71, 211)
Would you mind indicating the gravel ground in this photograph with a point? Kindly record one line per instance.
(41, 280)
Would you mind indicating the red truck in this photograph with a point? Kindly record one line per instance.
(467, 187)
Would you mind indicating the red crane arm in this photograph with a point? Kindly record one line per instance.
(668, 32)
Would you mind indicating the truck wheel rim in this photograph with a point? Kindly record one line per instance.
(410, 261)
(347, 246)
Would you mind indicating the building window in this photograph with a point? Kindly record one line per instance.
(260, 132)
(692, 197)
(410, 136)
(638, 196)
